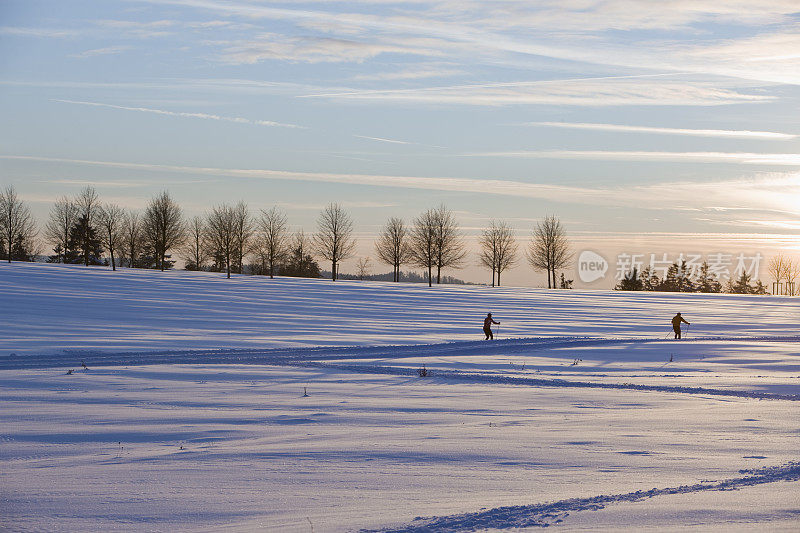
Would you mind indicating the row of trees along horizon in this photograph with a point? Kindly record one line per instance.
(82, 229)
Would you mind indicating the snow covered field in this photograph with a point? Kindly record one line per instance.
(191, 414)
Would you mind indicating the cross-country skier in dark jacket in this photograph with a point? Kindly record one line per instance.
(487, 326)
(676, 325)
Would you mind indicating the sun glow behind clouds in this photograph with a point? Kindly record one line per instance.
(738, 134)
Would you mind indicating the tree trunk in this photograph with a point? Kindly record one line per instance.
(333, 270)
(438, 274)
(430, 277)
(113, 264)
(498, 279)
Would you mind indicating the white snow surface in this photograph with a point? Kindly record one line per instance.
(190, 413)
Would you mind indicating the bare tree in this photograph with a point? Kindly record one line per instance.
(111, 219)
(561, 254)
(782, 268)
(244, 231)
(392, 246)
(422, 243)
(333, 240)
(498, 248)
(792, 273)
(549, 250)
(162, 227)
(88, 203)
(221, 230)
(363, 267)
(63, 217)
(194, 249)
(273, 246)
(778, 269)
(450, 250)
(17, 227)
(133, 237)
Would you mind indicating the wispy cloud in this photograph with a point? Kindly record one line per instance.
(588, 32)
(739, 134)
(182, 85)
(207, 116)
(601, 91)
(110, 50)
(411, 73)
(770, 191)
(706, 157)
(381, 139)
(95, 183)
(395, 141)
(52, 33)
(315, 50)
(344, 203)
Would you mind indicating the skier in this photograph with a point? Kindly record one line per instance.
(487, 326)
(676, 325)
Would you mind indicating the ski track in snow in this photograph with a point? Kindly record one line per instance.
(320, 357)
(485, 377)
(546, 514)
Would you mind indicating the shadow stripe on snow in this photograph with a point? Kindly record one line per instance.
(281, 355)
(546, 514)
(485, 377)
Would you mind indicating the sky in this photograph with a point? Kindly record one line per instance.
(648, 128)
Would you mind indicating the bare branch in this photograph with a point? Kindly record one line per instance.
(63, 216)
(498, 248)
(333, 240)
(422, 244)
(163, 227)
(17, 227)
(549, 250)
(195, 249)
(221, 230)
(273, 246)
(111, 219)
(392, 246)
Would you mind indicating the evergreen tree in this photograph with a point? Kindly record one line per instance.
(300, 264)
(22, 249)
(759, 288)
(672, 281)
(742, 285)
(684, 279)
(631, 282)
(707, 282)
(650, 280)
(84, 244)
